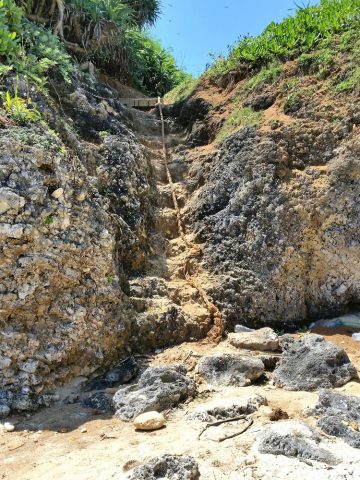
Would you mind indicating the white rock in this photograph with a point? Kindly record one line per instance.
(8, 230)
(10, 200)
(264, 339)
(149, 421)
(57, 193)
(9, 427)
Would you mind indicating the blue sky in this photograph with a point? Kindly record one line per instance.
(192, 29)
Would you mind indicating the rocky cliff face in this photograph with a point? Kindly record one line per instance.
(281, 241)
(92, 263)
(73, 209)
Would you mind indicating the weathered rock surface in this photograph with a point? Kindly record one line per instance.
(170, 467)
(149, 421)
(98, 401)
(274, 246)
(158, 388)
(264, 339)
(312, 363)
(123, 373)
(230, 369)
(294, 439)
(228, 409)
(339, 416)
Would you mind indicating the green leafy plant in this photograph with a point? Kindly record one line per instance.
(20, 109)
(10, 18)
(49, 220)
(291, 37)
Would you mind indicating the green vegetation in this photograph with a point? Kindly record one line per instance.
(20, 110)
(37, 38)
(292, 37)
(49, 220)
(10, 19)
(267, 75)
(185, 89)
(238, 118)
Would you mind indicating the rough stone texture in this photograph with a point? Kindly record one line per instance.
(98, 401)
(228, 409)
(340, 416)
(230, 369)
(170, 467)
(312, 363)
(262, 102)
(278, 215)
(294, 439)
(149, 421)
(65, 262)
(123, 373)
(158, 388)
(264, 339)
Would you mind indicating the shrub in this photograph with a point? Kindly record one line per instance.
(293, 36)
(10, 18)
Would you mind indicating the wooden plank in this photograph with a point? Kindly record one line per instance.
(139, 102)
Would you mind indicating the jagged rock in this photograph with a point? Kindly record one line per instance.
(123, 373)
(169, 467)
(230, 369)
(98, 401)
(228, 408)
(285, 341)
(312, 363)
(340, 416)
(294, 439)
(158, 388)
(149, 421)
(264, 339)
(272, 267)
(262, 102)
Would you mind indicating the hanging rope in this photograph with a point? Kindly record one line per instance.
(194, 250)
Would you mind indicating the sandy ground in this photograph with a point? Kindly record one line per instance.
(67, 442)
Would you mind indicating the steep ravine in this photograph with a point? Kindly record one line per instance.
(92, 262)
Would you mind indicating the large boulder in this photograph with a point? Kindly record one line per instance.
(339, 416)
(230, 369)
(312, 363)
(159, 388)
(169, 467)
(293, 439)
(264, 339)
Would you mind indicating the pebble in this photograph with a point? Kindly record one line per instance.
(58, 193)
(149, 421)
(83, 430)
(9, 427)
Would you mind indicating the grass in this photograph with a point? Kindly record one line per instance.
(238, 118)
(182, 91)
(293, 36)
(267, 75)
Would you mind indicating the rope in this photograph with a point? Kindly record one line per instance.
(195, 251)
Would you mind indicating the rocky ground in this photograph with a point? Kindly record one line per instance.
(285, 430)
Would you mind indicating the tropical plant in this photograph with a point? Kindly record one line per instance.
(291, 37)
(20, 109)
(10, 18)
